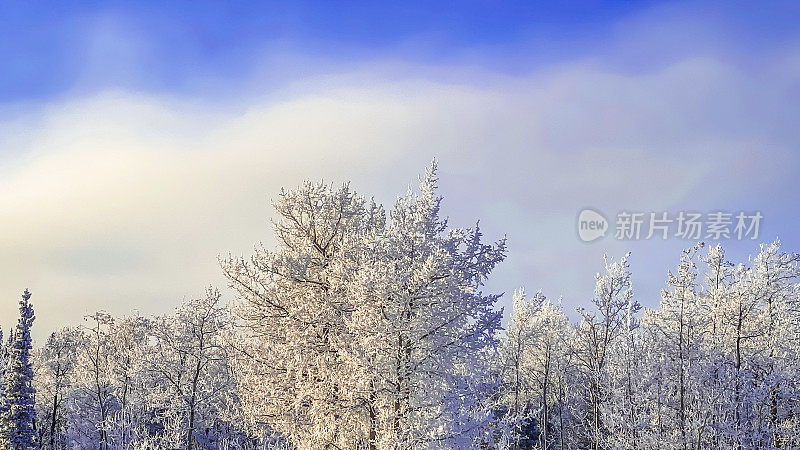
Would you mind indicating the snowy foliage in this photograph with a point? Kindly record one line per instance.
(19, 414)
(716, 366)
(364, 329)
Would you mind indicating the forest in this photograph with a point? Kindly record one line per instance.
(367, 328)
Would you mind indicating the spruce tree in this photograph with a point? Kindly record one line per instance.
(3, 400)
(20, 411)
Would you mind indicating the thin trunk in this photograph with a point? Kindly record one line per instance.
(738, 366)
(193, 403)
(53, 421)
(545, 406)
(561, 416)
(373, 419)
(682, 381)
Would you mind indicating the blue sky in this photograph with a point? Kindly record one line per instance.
(47, 48)
(138, 141)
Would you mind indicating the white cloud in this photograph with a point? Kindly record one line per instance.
(122, 201)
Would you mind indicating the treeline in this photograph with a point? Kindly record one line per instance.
(133, 382)
(365, 329)
(716, 366)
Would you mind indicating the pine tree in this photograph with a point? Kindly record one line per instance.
(20, 394)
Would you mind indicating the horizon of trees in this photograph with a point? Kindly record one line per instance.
(364, 329)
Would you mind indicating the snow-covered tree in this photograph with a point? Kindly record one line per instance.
(598, 333)
(370, 330)
(20, 413)
(189, 361)
(289, 363)
(436, 321)
(776, 354)
(536, 357)
(681, 326)
(54, 376)
(93, 403)
(359, 329)
(4, 354)
(515, 359)
(128, 345)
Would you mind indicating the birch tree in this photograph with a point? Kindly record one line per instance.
(190, 363)
(54, 378)
(359, 329)
(598, 332)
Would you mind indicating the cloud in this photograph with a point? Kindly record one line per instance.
(122, 200)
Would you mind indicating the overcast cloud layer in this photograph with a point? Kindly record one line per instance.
(121, 198)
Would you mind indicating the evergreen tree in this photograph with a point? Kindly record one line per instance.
(20, 415)
(3, 400)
